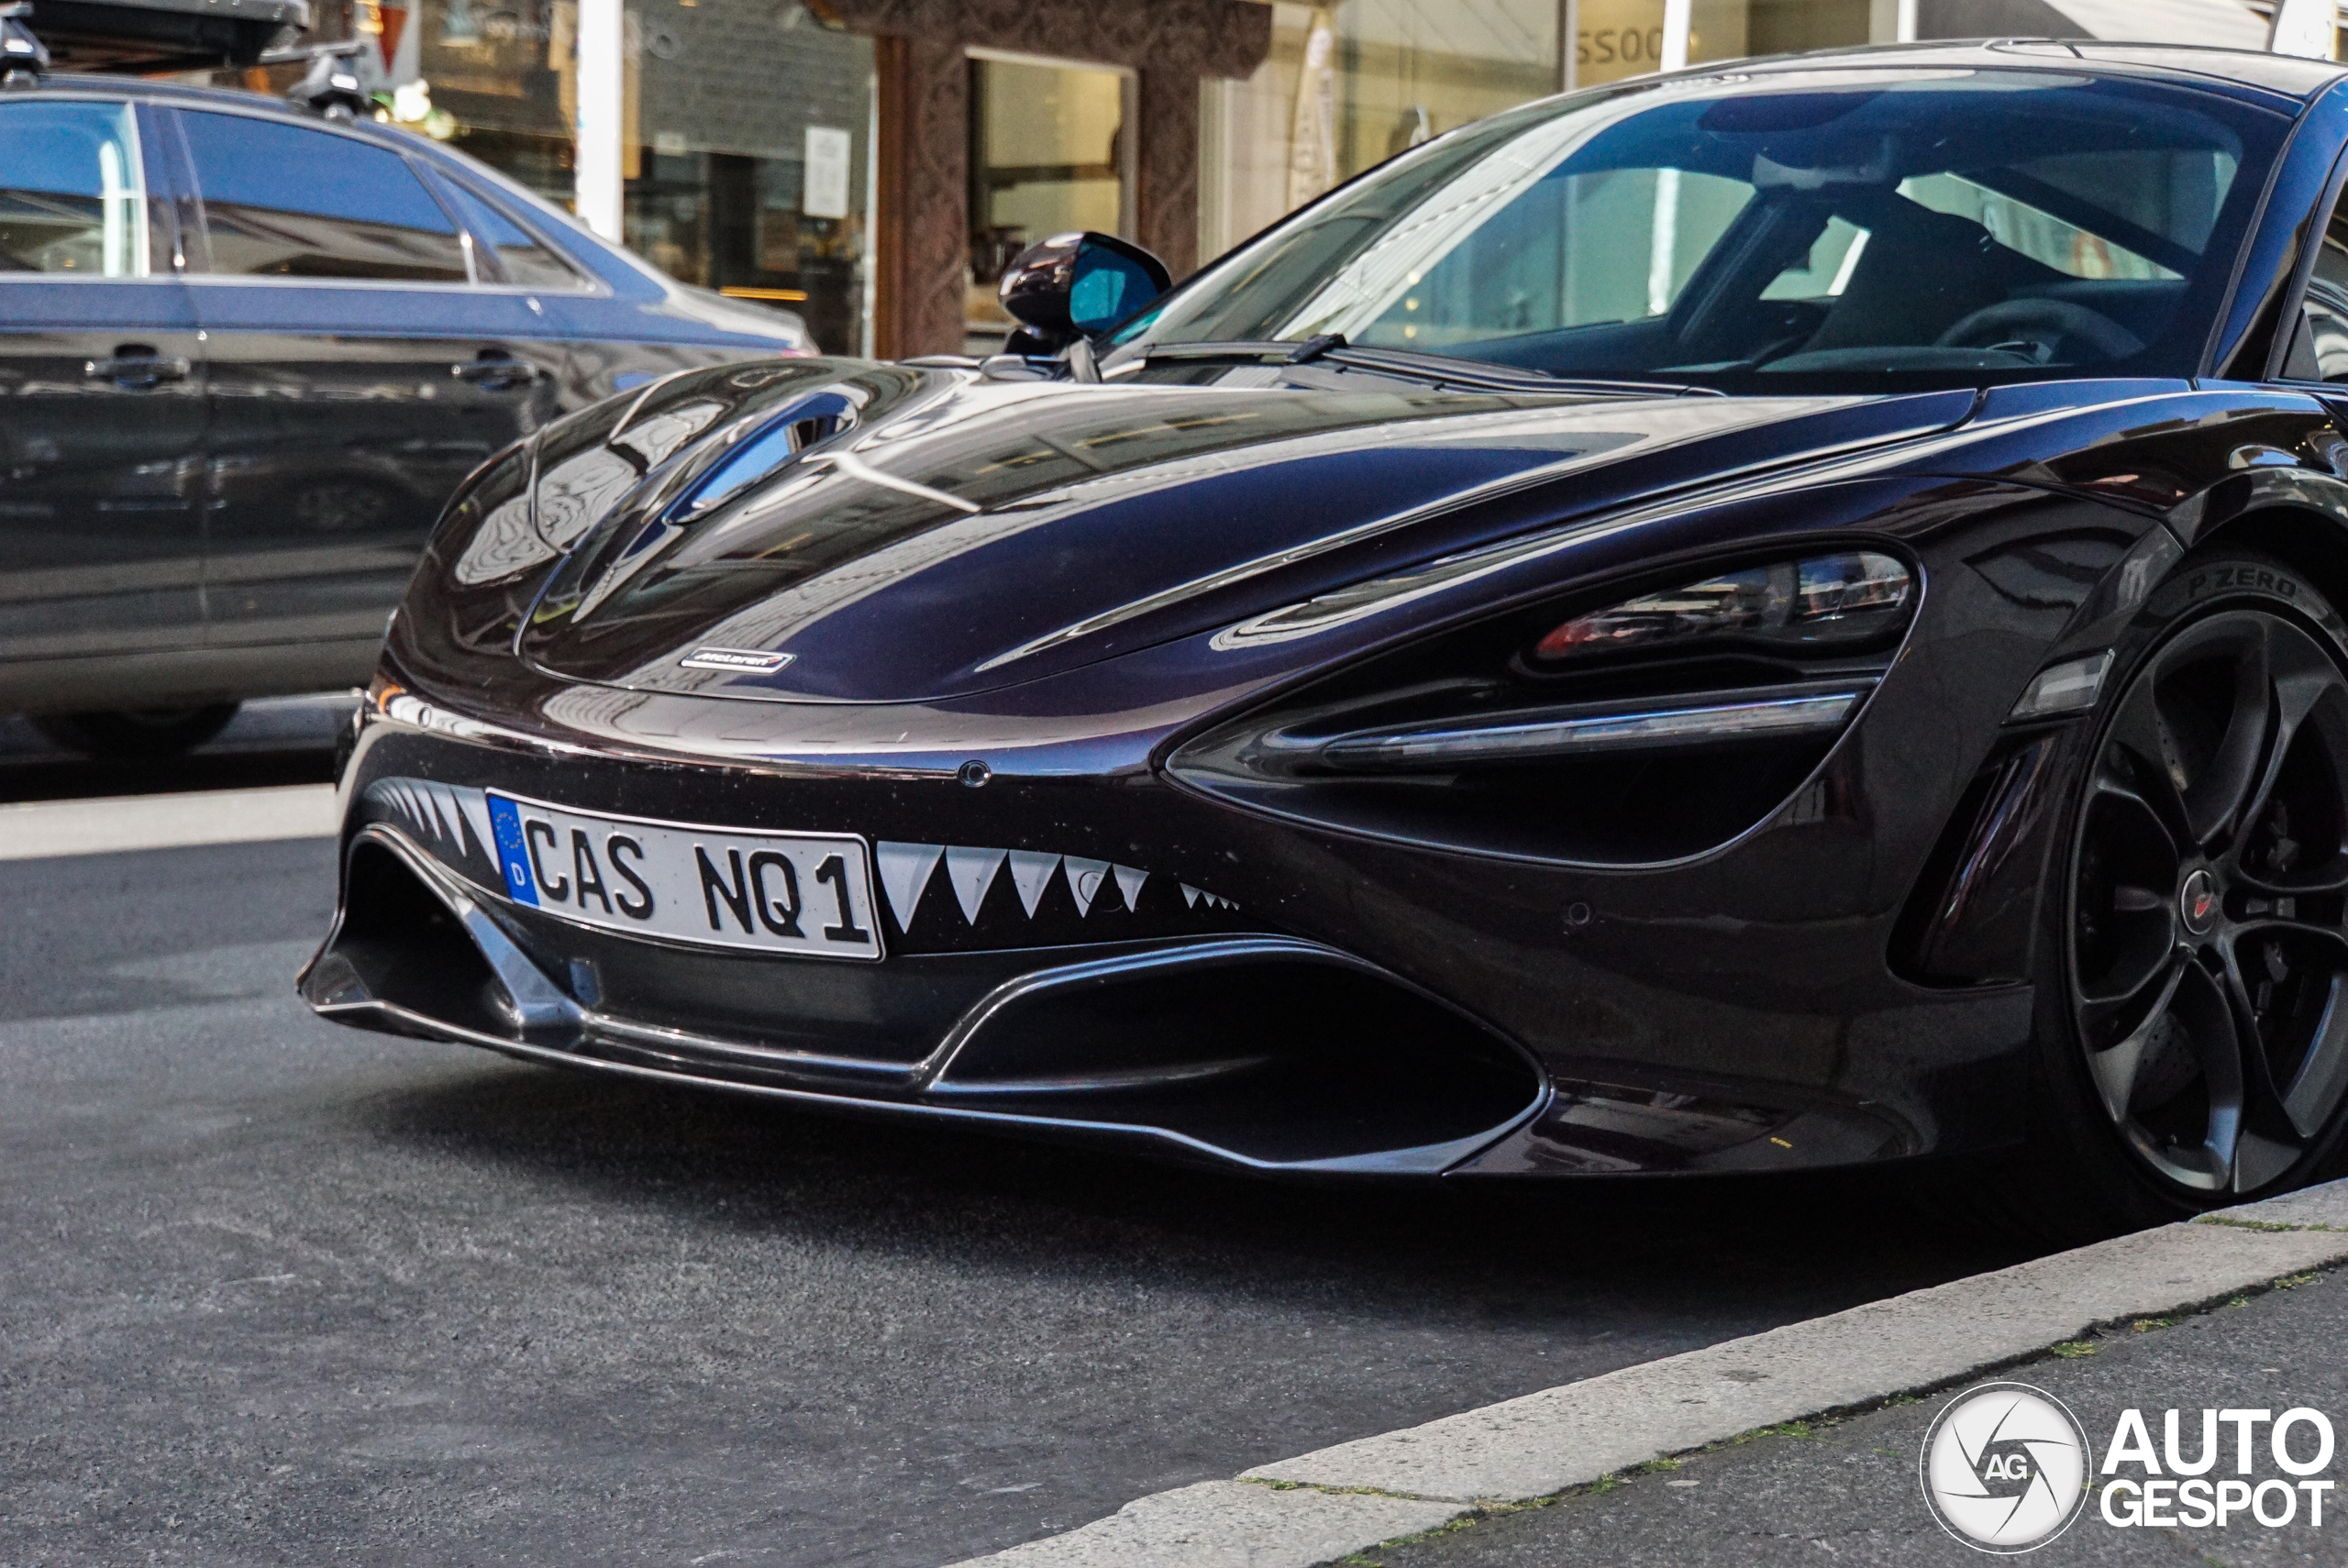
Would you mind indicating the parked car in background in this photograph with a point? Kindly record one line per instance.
(246, 355)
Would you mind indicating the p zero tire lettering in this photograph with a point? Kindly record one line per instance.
(766, 903)
(641, 908)
(833, 873)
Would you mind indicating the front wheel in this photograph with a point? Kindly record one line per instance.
(138, 735)
(2194, 988)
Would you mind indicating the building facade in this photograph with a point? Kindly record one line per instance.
(872, 164)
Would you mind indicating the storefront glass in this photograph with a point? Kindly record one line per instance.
(746, 133)
(1347, 87)
(1615, 38)
(1048, 153)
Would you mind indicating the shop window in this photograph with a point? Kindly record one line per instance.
(746, 136)
(283, 201)
(1345, 87)
(753, 147)
(1048, 154)
(72, 198)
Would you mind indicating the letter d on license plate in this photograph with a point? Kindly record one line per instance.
(806, 893)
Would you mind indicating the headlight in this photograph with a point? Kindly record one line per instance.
(1820, 604)
(1657, 724)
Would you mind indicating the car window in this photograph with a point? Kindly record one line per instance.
(1506, 279)
(520, 256)
(73, 194)
(1825, 271)
(1828, 229)
(2068, 249)
(283, 201)
(2319, 350)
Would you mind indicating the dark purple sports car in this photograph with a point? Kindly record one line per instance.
(1773, 618)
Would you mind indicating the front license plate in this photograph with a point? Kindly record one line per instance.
(808, 892)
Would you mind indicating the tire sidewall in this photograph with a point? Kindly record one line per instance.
(2069, 1112)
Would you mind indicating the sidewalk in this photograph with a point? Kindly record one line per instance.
(1845, 1492)
(1810, 1435)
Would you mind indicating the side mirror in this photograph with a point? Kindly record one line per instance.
(1077, 285)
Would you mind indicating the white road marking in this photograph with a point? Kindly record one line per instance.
(39, 829)
(1569, 1436)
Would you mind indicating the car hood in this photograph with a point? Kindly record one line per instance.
(861, 532)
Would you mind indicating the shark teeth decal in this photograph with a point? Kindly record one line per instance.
(904, 873)
(971, 872)
(452, 814)
(907, 869)
(1030, 870)
(1084, 878)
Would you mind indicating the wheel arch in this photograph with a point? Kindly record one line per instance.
(2310, 539)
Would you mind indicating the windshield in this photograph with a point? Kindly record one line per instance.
(1830, 229)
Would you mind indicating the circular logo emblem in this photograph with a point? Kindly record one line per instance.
(2005, 1467)
(2198, 901)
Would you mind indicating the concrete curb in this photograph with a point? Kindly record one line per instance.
(39, 829)
(1543, 1444)
(1228, 1524)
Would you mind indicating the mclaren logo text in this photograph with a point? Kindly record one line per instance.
(741, 661)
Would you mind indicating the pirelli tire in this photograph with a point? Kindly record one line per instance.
(2191, 1048)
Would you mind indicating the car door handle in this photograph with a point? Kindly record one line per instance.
(496, 372)
(137, 367)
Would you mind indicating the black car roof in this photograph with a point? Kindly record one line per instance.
(2252, 75)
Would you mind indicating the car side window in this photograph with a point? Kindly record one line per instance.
(2319, 350)
(72, 191)
(520, 255)
(283, 201)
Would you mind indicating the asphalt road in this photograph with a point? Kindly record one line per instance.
(1845, 1493)
(280, 1292)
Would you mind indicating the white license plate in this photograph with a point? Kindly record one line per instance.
(807, 892)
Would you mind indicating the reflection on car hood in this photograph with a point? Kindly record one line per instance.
(912, 535)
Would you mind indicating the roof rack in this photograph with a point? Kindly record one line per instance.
(331, 89)
(23, 56)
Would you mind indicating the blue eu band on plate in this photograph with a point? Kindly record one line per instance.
(803, 893)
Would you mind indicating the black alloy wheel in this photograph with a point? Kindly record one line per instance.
(2207, 957)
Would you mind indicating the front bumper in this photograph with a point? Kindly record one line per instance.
(1175, 1022)
(1322, 1003)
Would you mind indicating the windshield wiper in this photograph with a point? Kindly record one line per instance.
(1438, 370)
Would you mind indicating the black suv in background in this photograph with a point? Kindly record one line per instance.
(246, 353)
